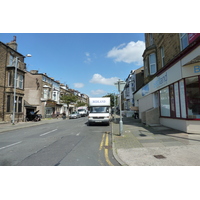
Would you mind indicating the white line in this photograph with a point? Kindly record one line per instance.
(77, 134)
(48, 132)
(10, 145)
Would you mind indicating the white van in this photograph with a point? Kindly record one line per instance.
(99, 111)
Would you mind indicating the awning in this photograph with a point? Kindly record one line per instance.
(26, 104)
(195, 60)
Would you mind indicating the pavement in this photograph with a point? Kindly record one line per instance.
(141, 145)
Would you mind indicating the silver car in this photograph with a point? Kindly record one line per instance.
(74, 115)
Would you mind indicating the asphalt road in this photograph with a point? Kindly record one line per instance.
(62, 143)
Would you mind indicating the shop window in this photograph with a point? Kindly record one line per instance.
(165, 102)
(182, 99)
(193, 97)
(172, 101)
(177, 99)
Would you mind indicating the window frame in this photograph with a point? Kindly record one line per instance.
(183, 36)
(162, 55)
(152, 72)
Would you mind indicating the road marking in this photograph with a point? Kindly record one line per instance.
(77, 134)
(106, 152)
(101, 144)
(10, 145)
(105, 149)
(48, 132)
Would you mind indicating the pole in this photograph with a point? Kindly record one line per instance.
(120, 107)
(114, 108)
(15, 79)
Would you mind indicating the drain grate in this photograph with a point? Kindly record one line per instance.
(159, 156)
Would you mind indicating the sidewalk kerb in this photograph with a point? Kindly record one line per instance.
(114, 150)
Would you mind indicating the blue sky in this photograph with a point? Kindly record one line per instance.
(87, 62)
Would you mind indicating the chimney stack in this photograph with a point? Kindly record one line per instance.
(13, 43)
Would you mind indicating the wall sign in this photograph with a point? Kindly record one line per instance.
(196, 69)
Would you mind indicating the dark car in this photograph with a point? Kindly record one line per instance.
(33, 116)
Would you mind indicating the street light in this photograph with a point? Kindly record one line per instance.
(120, 86)
(15, 80)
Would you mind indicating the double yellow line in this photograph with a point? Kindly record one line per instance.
(104, 143)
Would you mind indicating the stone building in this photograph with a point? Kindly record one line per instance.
(8, 56)
(42, 93)
(171, 94)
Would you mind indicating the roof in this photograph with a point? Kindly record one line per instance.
(193, 61)
(11, 49)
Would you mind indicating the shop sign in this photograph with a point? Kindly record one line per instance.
(161, 80)
(192, 36)
(196, 69)
(50, 103)
(145, 90)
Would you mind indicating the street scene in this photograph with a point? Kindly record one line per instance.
(138, 105)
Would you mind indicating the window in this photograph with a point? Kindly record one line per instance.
(150, 38)
(152, 63)
(20, 80)
(172, 101)
(177, 99)
(11, 60)
(193, 97)
(9, 79)
(162, 56)
(182, 99)
(146, 69)
(8, 104)
(20, 104)
(165, 102)
(54, 97)
(183, 40)
(45, 93)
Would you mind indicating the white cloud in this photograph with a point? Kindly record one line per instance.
(130, 53)
(97, 92)
(97, 78)
(78, 85)
(88, 58)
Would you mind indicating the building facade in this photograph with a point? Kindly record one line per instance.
(171, 94)
(42, 93)
(9, 58)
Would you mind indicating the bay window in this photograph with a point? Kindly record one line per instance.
(152, 63)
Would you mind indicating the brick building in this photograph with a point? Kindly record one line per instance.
(8, 54)
(171, 94)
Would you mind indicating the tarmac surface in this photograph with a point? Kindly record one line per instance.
(140, 145)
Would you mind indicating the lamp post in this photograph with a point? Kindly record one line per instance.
(15, 80)
(120, 86)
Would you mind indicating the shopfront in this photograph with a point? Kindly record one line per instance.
(179, 95)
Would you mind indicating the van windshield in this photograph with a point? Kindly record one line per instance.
(80, 110)
(99, 109)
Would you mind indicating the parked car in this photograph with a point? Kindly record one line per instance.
(74, 115)
(33, 116)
